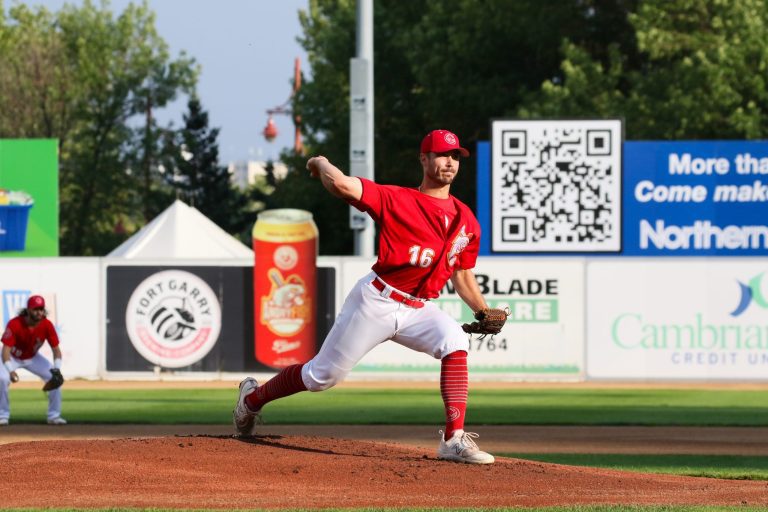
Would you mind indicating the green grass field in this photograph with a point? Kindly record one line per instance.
(734, 467)
(411, 407)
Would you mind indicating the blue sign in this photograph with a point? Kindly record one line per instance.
(693, 198)
(13, 302)
(704, 198)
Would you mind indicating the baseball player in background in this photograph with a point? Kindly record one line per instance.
(426, 237)
(22, 339)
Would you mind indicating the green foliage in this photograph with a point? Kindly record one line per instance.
(322, 103)
(702, 74)
(34, 104)
(81, 75)
(449, 65)
(193, 171)
(673, 69)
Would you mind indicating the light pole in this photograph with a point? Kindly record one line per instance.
(361, 123)
(270, 131)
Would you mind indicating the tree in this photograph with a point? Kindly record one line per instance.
(81, 75)
(34, 101)
(703, 74)
(193, 170)
(271, 179)
(452, 65)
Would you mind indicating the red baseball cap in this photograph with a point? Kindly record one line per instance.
(442, 141)
(35, 302)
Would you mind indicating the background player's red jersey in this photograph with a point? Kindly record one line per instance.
(25, 341)
(422, 239)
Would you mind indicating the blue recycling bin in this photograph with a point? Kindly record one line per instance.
(13, 226)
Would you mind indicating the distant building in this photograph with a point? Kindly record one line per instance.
(244, 174)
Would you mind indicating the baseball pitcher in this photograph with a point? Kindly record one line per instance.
(22, 339)
(426, 237)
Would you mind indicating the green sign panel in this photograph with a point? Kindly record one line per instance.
(520, 310)
(29, 198)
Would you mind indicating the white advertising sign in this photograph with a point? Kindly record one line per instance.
(678, 320)
(173, 318)
(544, 335)
(556, 185)
(70, 287)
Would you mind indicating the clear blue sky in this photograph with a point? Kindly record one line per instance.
(246, 49)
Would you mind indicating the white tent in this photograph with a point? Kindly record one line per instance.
(181, 232)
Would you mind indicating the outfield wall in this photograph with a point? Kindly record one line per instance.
(543, 338)
(678, 319)
(72, 291)
(573, 319)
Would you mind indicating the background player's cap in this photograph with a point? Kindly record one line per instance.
(442, 141)
(35, 302)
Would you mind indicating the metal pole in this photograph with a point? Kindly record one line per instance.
(361, 123)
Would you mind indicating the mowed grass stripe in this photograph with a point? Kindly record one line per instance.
(734, 467)
(410, 406)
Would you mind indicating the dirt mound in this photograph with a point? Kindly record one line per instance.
(313, 472)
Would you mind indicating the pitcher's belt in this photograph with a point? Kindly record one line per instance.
(397, 296)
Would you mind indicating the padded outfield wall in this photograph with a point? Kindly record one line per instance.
(678, 319)
(93, 301)
(572, 319)
(72, 291)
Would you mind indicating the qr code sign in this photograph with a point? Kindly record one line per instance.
(556, 186)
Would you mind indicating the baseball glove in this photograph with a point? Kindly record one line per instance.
(57, 379)
(489, 321)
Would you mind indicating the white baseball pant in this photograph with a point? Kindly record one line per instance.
(41, 367)
(368, 317)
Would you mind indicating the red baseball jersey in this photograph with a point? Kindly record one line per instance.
(422, 239)
(25, 341)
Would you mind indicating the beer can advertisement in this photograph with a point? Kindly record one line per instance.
(284, 283)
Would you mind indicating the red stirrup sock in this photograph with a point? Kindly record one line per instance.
(287, 382)
(453, 387)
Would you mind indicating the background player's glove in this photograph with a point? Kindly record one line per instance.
(57, 379)
(489, 321)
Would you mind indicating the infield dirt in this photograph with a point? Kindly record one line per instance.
(226, 472)
(494, 438)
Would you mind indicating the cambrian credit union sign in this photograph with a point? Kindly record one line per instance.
(676, 319)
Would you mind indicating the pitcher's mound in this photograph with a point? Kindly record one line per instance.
(315, 472)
